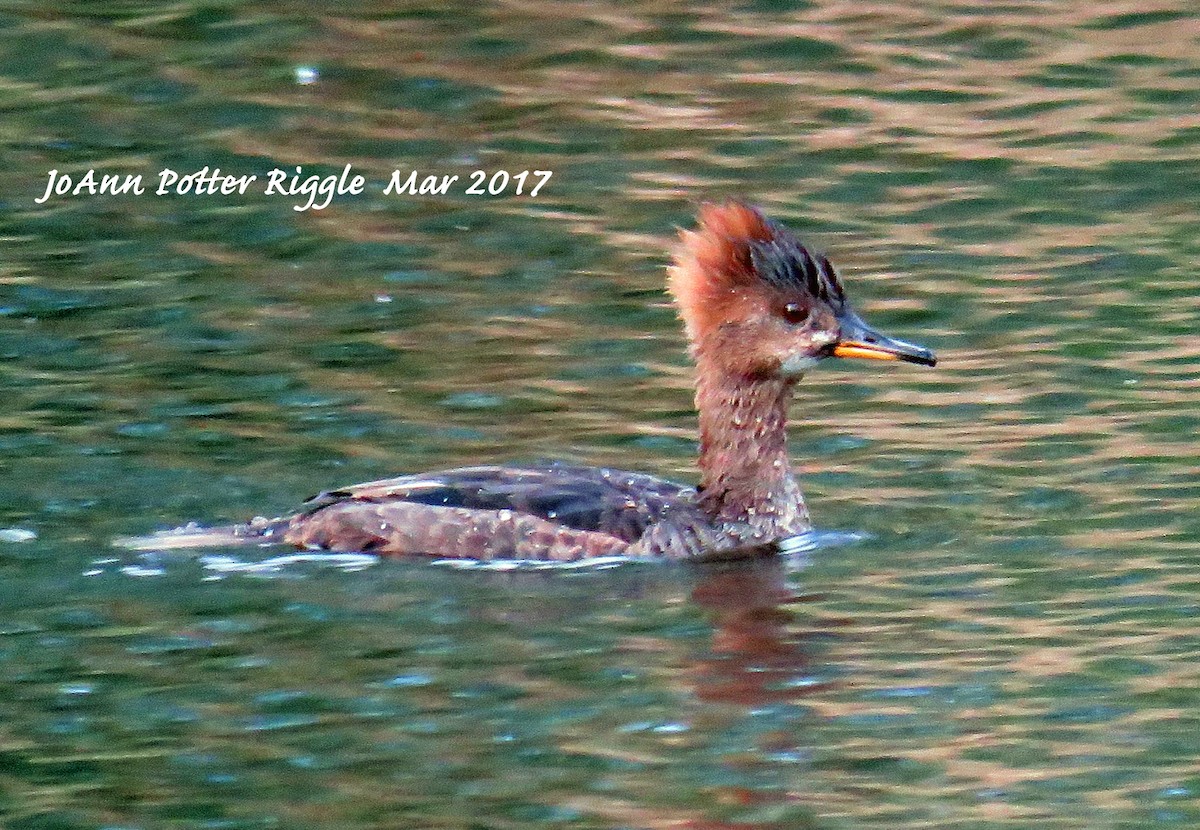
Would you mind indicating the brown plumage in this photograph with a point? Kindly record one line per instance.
(758, 308)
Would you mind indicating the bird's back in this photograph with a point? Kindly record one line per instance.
(556, 511)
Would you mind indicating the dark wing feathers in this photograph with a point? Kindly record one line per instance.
(612, 502)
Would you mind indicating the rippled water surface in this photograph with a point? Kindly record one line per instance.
(999, 627)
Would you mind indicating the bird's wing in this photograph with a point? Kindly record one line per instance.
(589, 499)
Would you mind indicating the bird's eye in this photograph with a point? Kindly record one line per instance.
(795, 313)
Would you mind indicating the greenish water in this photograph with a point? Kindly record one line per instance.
(1000, 629)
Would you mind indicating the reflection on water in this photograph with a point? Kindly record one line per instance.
(1010, 638)
(757, 658)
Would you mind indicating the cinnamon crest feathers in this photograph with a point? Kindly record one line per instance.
(736, 249)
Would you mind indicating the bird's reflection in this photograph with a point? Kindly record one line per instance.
(760, 653)
(738, 685)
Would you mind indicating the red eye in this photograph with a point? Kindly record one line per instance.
(795, 313)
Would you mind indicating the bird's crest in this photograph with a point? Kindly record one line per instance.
(735, 247)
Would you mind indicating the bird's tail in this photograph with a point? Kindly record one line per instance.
(258, 531)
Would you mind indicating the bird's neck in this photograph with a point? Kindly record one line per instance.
(746, 476)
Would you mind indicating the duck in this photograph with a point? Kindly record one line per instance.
(759, 310)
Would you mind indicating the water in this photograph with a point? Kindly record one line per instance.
(999, 628)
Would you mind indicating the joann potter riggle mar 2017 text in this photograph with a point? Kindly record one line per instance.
(315, 191)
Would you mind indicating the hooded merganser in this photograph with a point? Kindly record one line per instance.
(759, 310)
